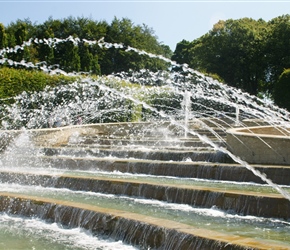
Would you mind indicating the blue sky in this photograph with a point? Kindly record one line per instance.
(172, 21)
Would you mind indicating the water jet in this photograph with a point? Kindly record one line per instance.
(171, 180)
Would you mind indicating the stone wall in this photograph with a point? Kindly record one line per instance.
(260, 145)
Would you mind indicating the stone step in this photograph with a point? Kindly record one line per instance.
(145, 232)
(244, 202)
(150, 129)
(149, 142)
(136, 147)
(186, 169)
(171, 134)
(154, 169)
(164, 155)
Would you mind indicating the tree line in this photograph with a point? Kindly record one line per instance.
(245, 53)
(249, 54)
(84, 57)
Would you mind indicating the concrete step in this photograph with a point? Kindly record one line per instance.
(186, 169)
(263, 202)
(149, 154)
(146, 232)
(153, 142)
(159, 164)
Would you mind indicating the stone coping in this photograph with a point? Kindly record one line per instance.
(260, 144)
(262, 131)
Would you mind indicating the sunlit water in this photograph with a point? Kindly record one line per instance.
(212, 219)
(29, 233)
(150, 179)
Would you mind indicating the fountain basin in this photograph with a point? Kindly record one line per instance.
(73, 172)
(260, 145)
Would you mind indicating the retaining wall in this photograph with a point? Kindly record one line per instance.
(260, 145)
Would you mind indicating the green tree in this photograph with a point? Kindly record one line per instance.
(2, 36)
(85, 56)
(82, 28)
(67, 56)
(140, 37)
(17, 33)
(181, 53)
(282, 90)
(278, 49)
(96, 69)
(233, 49)
(45, 31)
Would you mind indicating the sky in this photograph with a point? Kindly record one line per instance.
(172, 21)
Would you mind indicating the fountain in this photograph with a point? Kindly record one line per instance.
(169, 176)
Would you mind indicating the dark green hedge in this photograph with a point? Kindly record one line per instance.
(14, 81)
(282, 90)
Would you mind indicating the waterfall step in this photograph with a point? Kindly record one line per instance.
(159, 133)
(256, 201)
(149, 142)
(116, 146)
(71, 166)
(135, 229)
(185, 169)
(208, 155)
(161, 128)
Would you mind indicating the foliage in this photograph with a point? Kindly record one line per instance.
(2, 36)
(34, 99)
(13, 82)
(141, 37)
(247, 54)
(277, 49)
(282, 90)
(82, 99)
(233, 50)
(82, 57)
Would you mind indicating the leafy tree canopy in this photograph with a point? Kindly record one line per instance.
(81, 57)
(248, 54)
(282, 90)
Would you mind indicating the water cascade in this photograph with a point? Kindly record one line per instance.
(169, 176)
(237, 116)
(186, 109)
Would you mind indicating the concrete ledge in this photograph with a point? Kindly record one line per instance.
(260, 145)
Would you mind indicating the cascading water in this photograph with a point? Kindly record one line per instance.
(184, 100)
(186, 108)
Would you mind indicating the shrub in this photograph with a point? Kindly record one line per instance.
(15, 81)
(282, 90)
